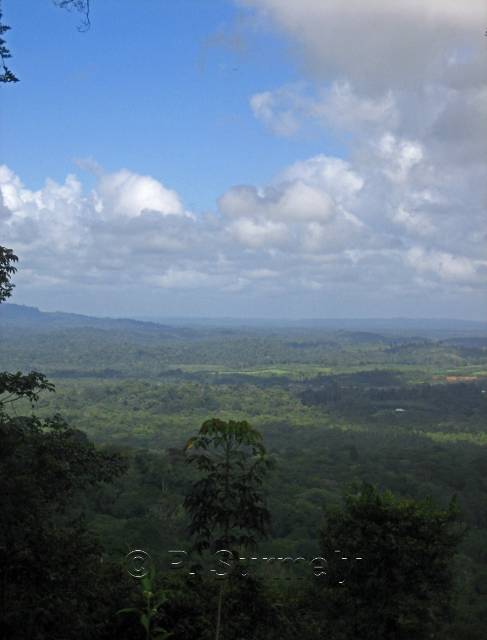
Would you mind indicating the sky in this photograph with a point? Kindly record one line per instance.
(247, 158)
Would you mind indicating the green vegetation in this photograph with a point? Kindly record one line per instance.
(408, 544)
(225, 505)
(335, 409)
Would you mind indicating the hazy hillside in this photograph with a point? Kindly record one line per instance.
(31, 318)
(355, 329)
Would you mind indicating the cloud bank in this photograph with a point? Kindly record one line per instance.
(320, 226)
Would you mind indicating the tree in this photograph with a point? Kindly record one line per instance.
(226, 506)
(51, 572)
(7, 75)
(53, 581)
(15, 386)
(403, 586)
(7, 258)
(83, 6)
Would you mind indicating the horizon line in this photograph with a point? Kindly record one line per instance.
(158, 318)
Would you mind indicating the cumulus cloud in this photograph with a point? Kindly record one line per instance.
(279, 110)
(416, 69)
(129, 194)
(71, 235)
(399, 156)
(294, 201)
(330, 175)
(415, 223)
(379, 45)
(322, 225)
(341, 105)
(405, 81)
(304, 210)
(255, 234)
(290, 109)
(452, 268)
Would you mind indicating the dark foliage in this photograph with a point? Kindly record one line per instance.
(226, 507)
(402, 586)
(7, 256)
(6, 76)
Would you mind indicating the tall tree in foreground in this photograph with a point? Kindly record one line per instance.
(403, 587)
(226, 505)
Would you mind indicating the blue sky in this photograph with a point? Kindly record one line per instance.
(159, 86)
(260, 158)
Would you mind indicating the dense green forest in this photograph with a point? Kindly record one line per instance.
(339, 412)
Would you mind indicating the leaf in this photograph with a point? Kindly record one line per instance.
(128, 610)
(144, 621)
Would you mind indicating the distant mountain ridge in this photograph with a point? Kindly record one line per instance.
(31, 318)
(25, 317)
(359, 325)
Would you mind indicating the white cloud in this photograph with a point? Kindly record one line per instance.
(267, 107)
(305, 209)
(312, 190)
(333, 176)
(14, 196)
(258, 234)
(126, 193)
(182, 279)
(402, 82)
(322, 225)
(413, 222)
(399, 156)
(291, 201)
(452, 268)
(405, 82)
(290, 109)
(405, 79)
(343, 107)
(379, 44)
